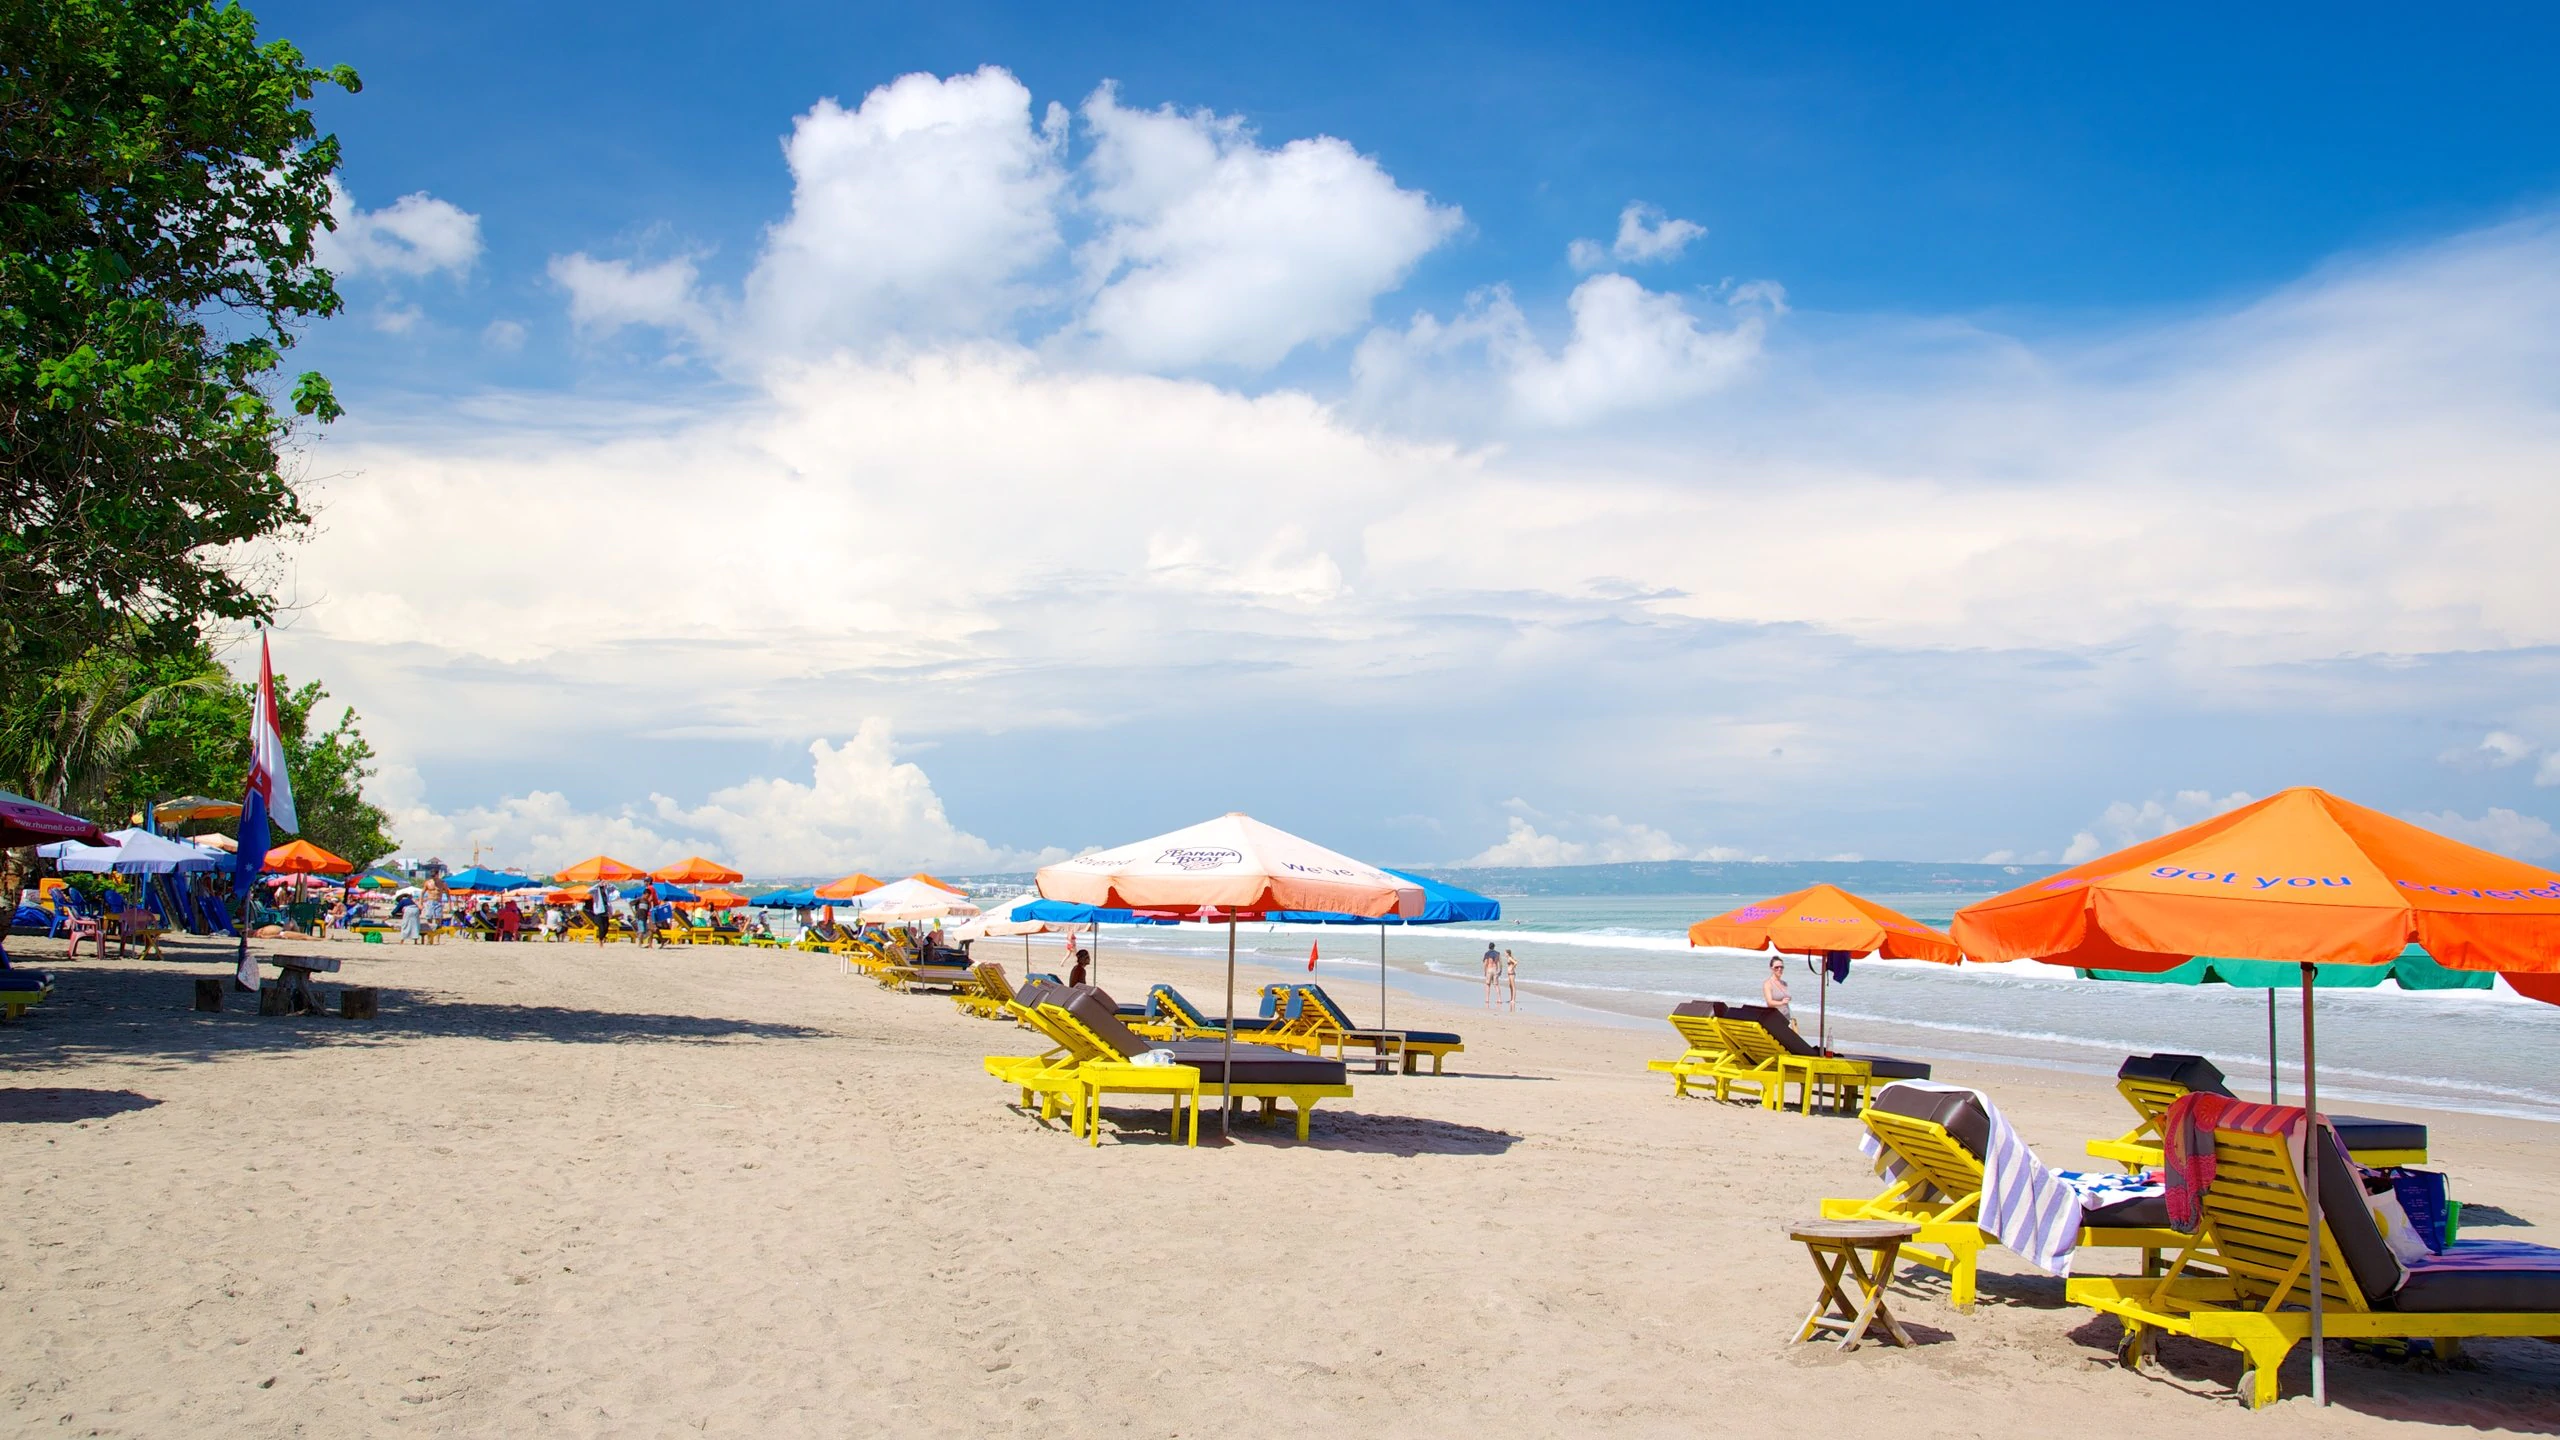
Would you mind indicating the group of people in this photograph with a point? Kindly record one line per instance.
(1501, 972)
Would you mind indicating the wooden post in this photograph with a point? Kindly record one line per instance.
(356, 1002)
(272, 999)
(209, 993)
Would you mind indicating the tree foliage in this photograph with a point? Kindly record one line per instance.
(134, 729)
(161, 180)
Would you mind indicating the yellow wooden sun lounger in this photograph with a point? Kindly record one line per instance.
(987, 996)
(2153, 1083)
(1081, 1044)
(1328, 1023)
(1706, 1051)
(15, 1002)
(1942, 1194)
(1754, 1057)
(2257, 1229)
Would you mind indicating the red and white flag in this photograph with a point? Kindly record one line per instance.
(267, 774)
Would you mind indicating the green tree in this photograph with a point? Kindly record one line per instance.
(90, 718)
(161, 180)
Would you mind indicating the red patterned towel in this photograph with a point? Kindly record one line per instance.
(2186, 1134)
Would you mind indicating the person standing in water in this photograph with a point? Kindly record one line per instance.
(1511, 977)
(1492, 971)
(1773, 991)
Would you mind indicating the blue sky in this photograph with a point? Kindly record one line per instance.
(1456, 432)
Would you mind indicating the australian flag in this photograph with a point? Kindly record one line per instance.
(268, 805)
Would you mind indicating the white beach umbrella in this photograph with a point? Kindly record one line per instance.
(998, 920)
(912, 900)
(1231, 868)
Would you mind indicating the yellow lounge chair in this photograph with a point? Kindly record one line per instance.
(1695, 1020)
(1171, 1016)
(1942, 1190)
(2256, 1228)
(21, 990)
(987, 995)
(2153, 1083)
(1329, 1024)
(1087, 1028)
(1763, 1051)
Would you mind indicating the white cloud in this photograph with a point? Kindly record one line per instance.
(921, 213)
(1603, 840)
(2496, 751)
(2548, 772)
(2525, 837)
(862, 808)
(2168, 540)
(415, 235)
(2127, 823)
(1631, 349)
(504, 336)
(1645, 235)
(606, 295)
(1215, 250)
(397, 319)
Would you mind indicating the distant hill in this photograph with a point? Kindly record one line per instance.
(1740, 877)
(1688, 877)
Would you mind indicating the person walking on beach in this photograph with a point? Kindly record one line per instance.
(409, 909)
(1773, 991)
(1492, 971)
(644, 928)
(1511, 977)
(600, 909)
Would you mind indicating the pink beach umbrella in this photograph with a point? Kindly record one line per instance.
(1232, 868)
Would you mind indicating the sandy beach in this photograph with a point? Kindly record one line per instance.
(561, 1189)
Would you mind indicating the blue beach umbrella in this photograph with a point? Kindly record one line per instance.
(1442, 904)
(479, 878)
(800, 897)
(666, 891)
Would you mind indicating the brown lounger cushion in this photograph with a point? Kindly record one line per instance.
(1883, 1067)
(2361, 1132)
(1959, 1111)
(1256, 1064)
(1709, 1009)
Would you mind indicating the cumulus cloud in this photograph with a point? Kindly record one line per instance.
(1598, 840)
(1630, 350)
(2496, 751)
(1216, 250)
(922, 213)
(415, 235)
(2169, 540)
(1645, 235)
(862, 808)
(504, 336)
(2128, 823)
(2525, 837)
(606, 295)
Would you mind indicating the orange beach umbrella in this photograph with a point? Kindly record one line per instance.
(694, 870)
(2301, 876)
(939, 884)
(1825, 920)
(716, 899)
(304, 858)
(599, 867)
(1820, 919)
(848, 887)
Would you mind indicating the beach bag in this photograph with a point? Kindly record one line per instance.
(2428, 1201)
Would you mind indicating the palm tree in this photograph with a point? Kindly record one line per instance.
(88, 723)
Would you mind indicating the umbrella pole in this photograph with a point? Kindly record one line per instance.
(1227, 1050)
(1822, 1001)
(1382, 975)
(2312, 1156)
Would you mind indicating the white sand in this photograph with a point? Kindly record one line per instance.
(563, 1191)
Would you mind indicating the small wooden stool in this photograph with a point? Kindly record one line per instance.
(1835, 1245)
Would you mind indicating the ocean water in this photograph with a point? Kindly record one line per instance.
(1626, 958)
